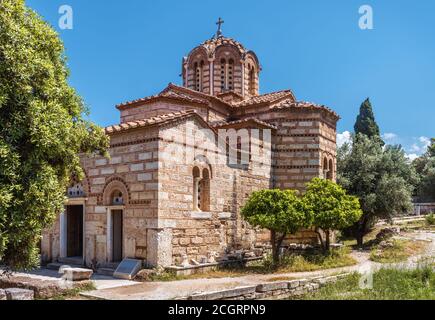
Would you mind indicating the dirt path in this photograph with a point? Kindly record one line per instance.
(177, 289)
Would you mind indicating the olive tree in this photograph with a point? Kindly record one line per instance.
(381, 177)
(280, 211)
(330, 207)
(43, 130)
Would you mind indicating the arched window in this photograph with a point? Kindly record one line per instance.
(198, 68)
(196, 189)
(330, 174)
(198, 76)
(230, 76)
(239, 150)
(205, 191)
(325, 168)
(201, 189)
(251, 83)
(223, 75)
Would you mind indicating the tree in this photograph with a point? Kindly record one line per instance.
(279, 211)
(366, 123)
(331, 208)
(425, 168)
(42, 132)
(380, 177)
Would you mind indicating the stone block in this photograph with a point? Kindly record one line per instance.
(225, 215)
(264, 287)
(77, 274)
(100, 162)
(200, 215)
(293, 284)
(115, 160)
(152, 165)
(19, 294)
(224, 294)
(136, 167)
(145, 156)
(100, 209)
(144, 177)
(108, 171)
(2, 295)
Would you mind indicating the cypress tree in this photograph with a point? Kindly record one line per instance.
(366, 123)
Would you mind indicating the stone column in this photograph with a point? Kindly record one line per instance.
(63, 234)
(159, 247)
(109, 235)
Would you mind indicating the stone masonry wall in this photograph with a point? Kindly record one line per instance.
(219, 228)
(271, 290)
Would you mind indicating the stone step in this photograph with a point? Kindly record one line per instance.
(57, 265)
(109, 265)
(106, 271)
(54, 265)
(77, 261)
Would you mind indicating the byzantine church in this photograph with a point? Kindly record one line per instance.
(144, 203)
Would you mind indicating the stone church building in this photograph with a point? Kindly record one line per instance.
(162, 196)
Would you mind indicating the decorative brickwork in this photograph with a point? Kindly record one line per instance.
(178, 204)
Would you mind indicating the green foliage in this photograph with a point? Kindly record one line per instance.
(309, 261)
(430, 219)
(42, 132)
(388, 284)
(330, 206)
(366, 123)
(397, 251)
(425, 168)
(280, 211)
(380, 177)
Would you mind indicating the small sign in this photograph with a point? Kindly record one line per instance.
(127, 269)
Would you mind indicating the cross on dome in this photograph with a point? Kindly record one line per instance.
(219, 23)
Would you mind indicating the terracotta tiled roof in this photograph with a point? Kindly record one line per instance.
(175, 92)
(260, 123)
(213, 43)
(266, 98)
(203, 96)
(159, 120)
(288, 104)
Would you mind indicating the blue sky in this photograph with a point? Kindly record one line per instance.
(124, 50)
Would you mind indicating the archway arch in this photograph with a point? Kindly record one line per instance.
(115, 189)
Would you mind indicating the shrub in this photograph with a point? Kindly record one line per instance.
(280, 211)
(430, 219)
(331, 208)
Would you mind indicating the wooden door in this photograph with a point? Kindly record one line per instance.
(117, 235)
(74, 231)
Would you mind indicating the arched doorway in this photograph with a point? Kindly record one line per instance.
(115, 198)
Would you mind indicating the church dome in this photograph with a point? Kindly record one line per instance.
(222, 65)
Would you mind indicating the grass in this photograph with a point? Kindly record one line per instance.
(312, 261)
(368, 238)
(388, 284)
(400, 251)
(309, 261)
